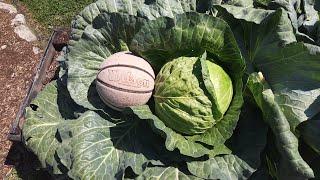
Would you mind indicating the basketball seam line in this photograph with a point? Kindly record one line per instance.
(108, 103)
(122, 89)
(130, 66)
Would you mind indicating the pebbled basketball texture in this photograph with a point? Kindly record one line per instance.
(125, 80)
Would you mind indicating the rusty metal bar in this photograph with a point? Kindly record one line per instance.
(45, 62)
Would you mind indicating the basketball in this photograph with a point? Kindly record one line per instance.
(125, 80)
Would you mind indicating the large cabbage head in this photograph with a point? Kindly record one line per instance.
(181, 99)
(199, 85)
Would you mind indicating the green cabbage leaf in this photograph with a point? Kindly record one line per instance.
(269, 129)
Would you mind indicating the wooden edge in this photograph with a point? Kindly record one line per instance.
(15, 133)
